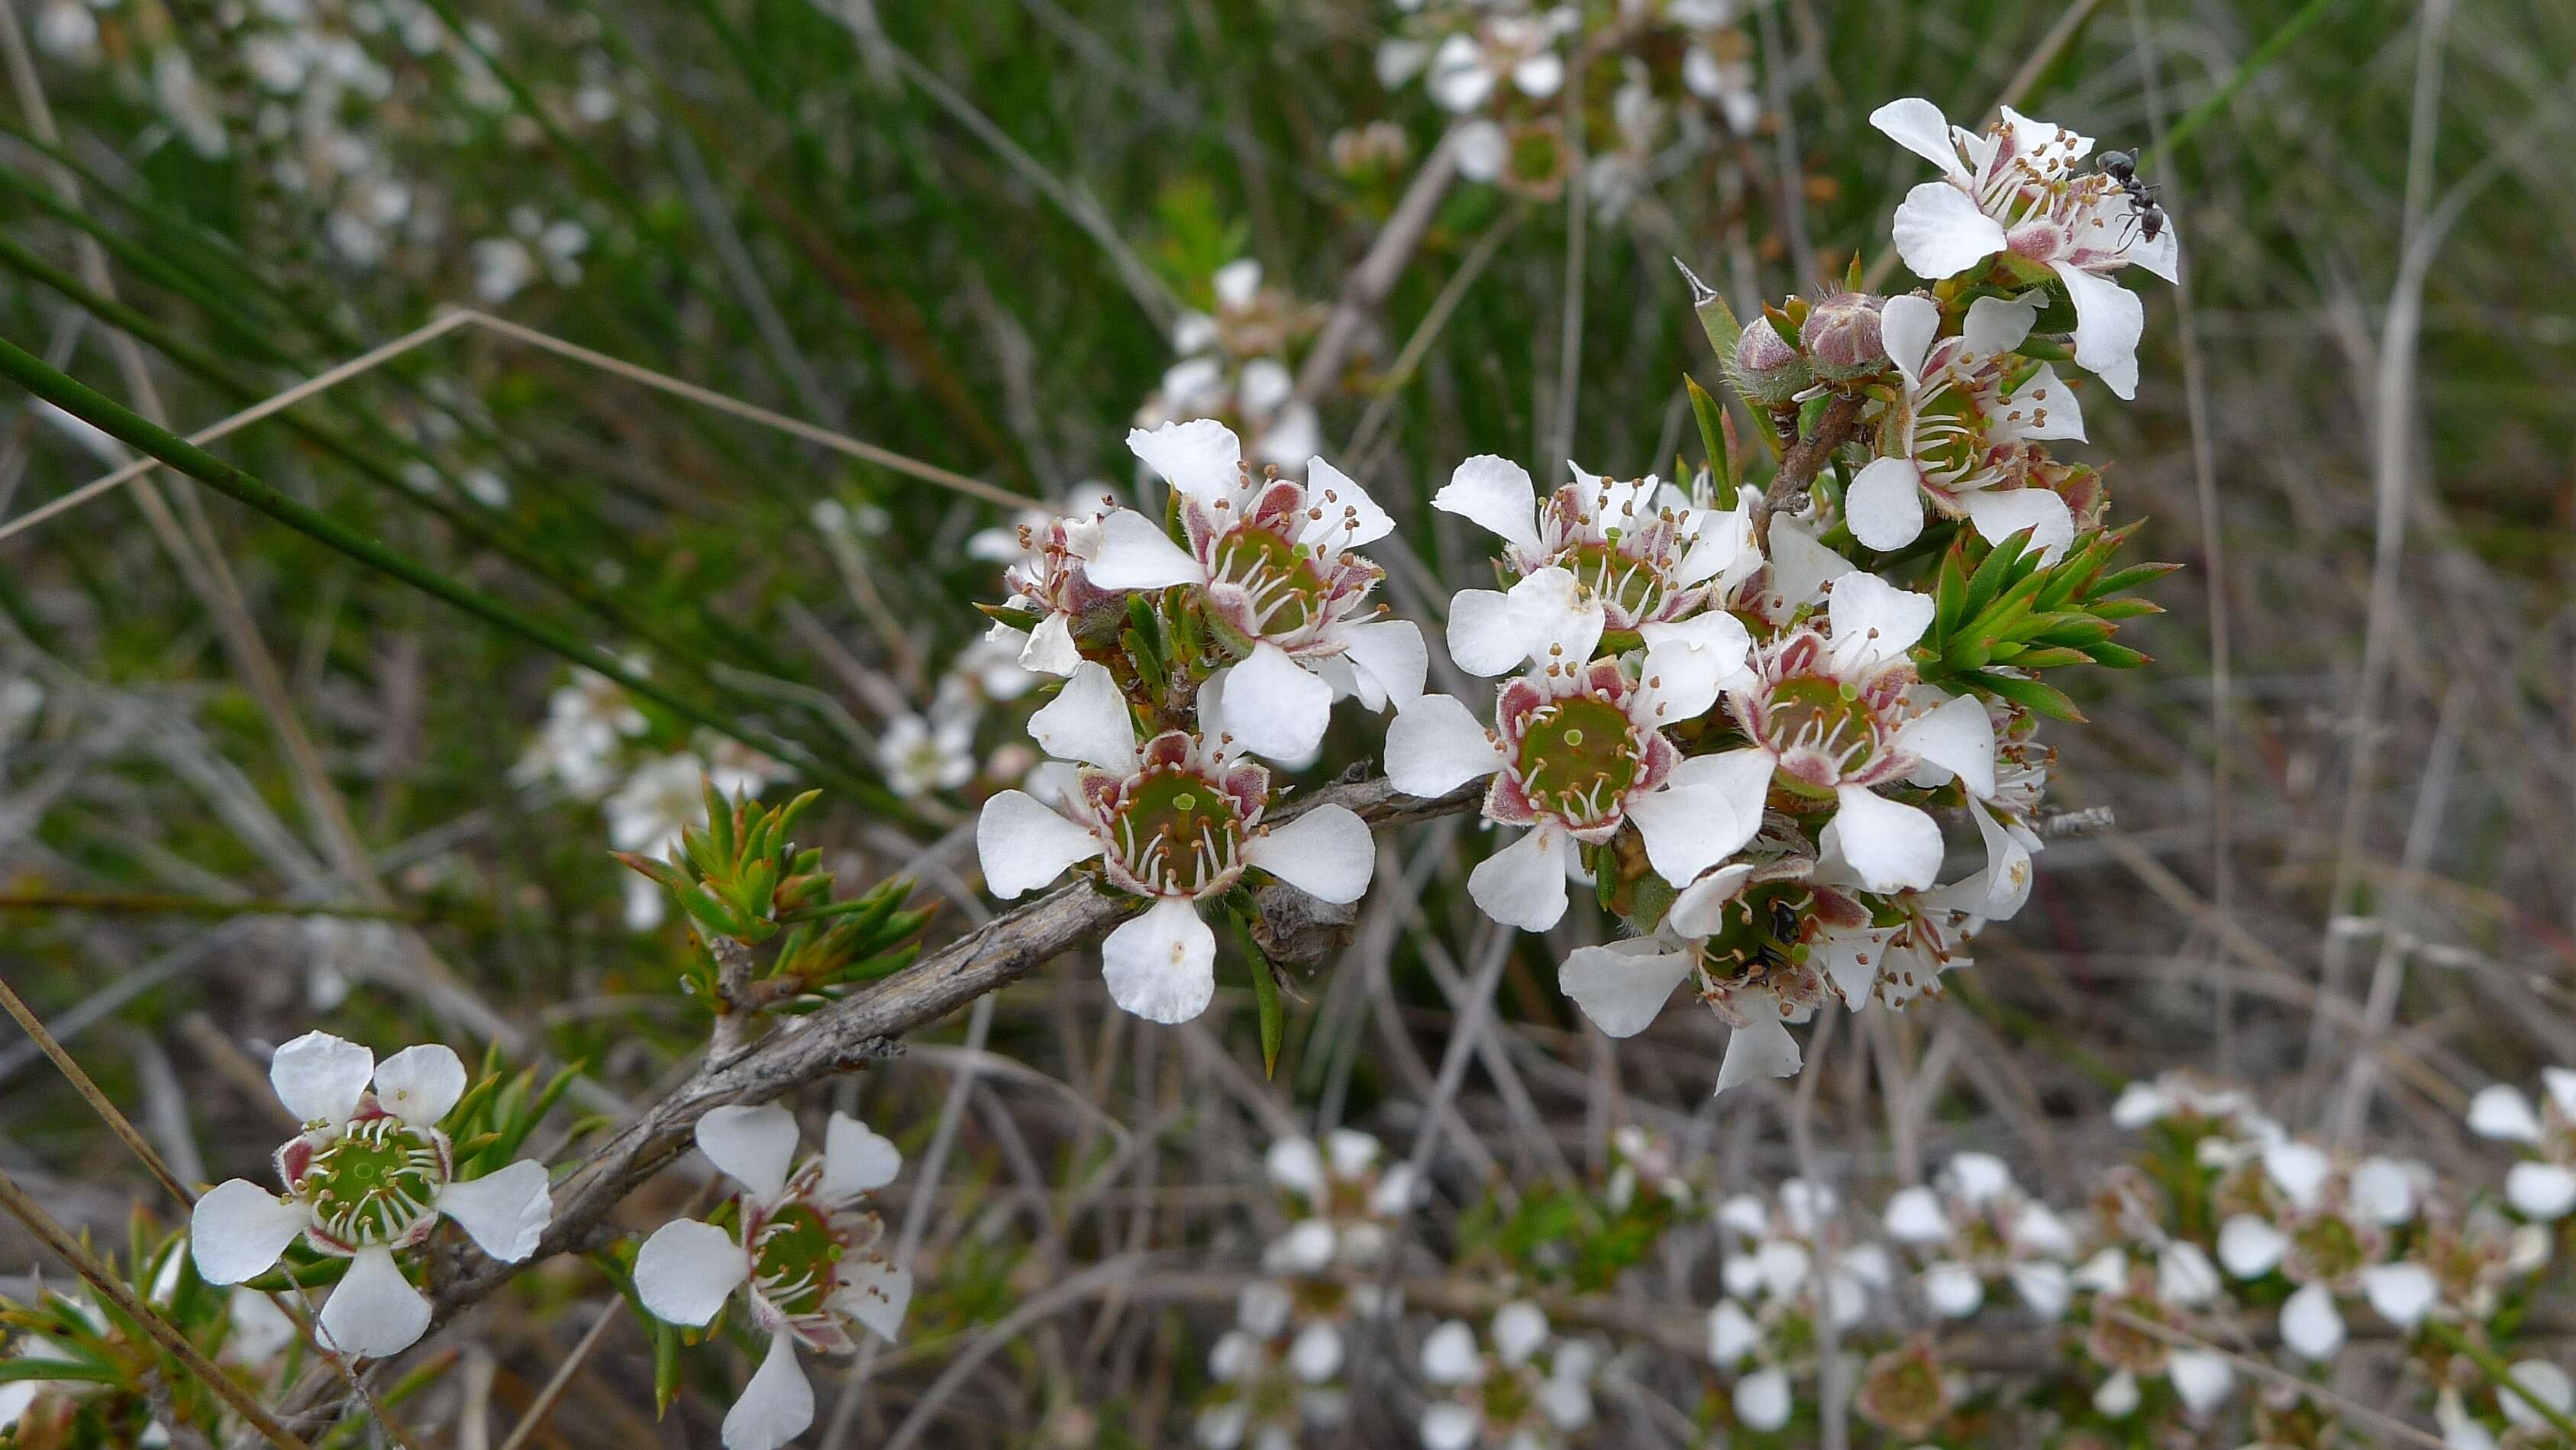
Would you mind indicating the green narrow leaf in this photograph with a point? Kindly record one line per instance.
(1715, 317)
(1274, 1015)
(2032, 695)
(1712, 429)
(666, 1367)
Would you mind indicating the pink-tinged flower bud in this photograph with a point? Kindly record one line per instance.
(1842, 337)
(1767, 368)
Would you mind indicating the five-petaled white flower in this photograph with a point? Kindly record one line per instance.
(2182, 1279)
(368, 1177)
(1175, 821)
(2542, 1188)
(1959, 431)
(805, 1252)
(1830, 720)
(1271, 559)
(1974, 1225)
(1764, 1330)
(1529, 1391)
(2325, 1227)
(1578, 748)
(1273, 1377)
(1642, 549)
(2018, 190)
(1347, 1201)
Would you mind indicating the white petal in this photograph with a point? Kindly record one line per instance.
(2000, 513)
(1884, 504)
(419, 1084)
(2043, 1286)
(2117, 1397)
(2542, 1191)
(1276, 707)
(1907, 326)
(1316, 1353)
(1519, 1330)
(2184, 1275)
(1540, 76)
(1458, 79)
(2310, 1324)
(1622, 986)
(2109, 320)
(2106, 1272)
(320, 1077)
(1523, 884)
(1449, 1355)
(1762, 1049)
(1957, 736)
(1202, 458)
(1496, 493)
(1448, 1425)
(1088, 721)
(2399, 1292)
(1762, 1399)
(238, 1229)
(1482, 149)
(1892, 845)
(1484, 638)
(1325, 853)
(1953, 1290)
(1801, 567)
(1388, 658)
(1918, 125)
(1161, 965)
(1997, 324)
(1238, 282)
(2383, 1190)
(2544, 1380)
(2203, 1378)
(1433, 746)
(2503, 1112)
(2560, 1083)
(1978, 1178)
(1914, 1216)
(2045, 392)
(753, 1144)
(506, 1212)
(1690, 824)
(776, 1406)
(1333, 491)
(876, 1294)
(1050, 649)
(685, 1270)
(373, 1311)
(2249, 1247)
(857, 1159)
(1135, 553)
(1940, 232)
(2298, 1169)
(1296, 1165)
(1868, 612)
(1024, 845)
(1557, 618)
(1732, 1334)
(1699, 911)
(1687, 664)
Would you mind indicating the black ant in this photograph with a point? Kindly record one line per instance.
(2122, 168)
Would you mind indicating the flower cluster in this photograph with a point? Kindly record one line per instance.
(1521, 1387)
(1234, 366)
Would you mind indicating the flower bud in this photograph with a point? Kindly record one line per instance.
(1842, 337)
(1767, 368)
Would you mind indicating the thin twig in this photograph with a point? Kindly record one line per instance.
(561, 1380)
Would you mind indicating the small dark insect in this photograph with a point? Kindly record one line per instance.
(2122, 168)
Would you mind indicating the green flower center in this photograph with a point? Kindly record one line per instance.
(376, 1183)
(1178, 833)
(2329, 1249)
(1815, 713)
(797, 1260)
(1575, 757)
(1633, 586)
(1762, 927)
(1950, 433)
(1508, 1396)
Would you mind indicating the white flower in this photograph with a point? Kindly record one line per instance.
(2541, 1188)
(1641, 549)
(1829, 718)
(1347, 1201)
(807, 1256)
(2549, 1383)
(1578, 749)
(1272, 1380)
(588, 722)
(1466, 68)
(1048, 577)
(2326, 1228)
(1175, 821)
(1529, 1391)
(1976, 1226)
(919, 757)
(1959, 431)
(369, 1176)
(1270, 559)
(2017, 190)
